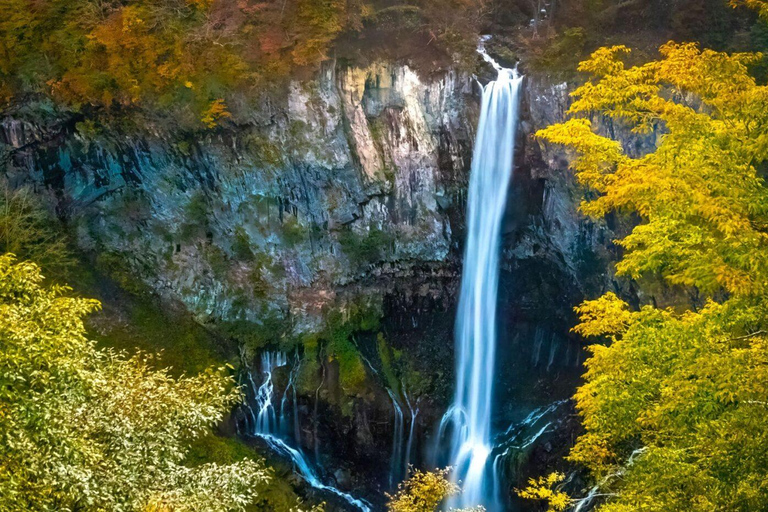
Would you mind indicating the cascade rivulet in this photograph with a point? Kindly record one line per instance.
(273, 423)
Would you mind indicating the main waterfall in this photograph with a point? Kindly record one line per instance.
(476, 318)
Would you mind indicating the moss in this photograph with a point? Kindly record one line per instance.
(399, 370)
(376, 125)
(195, 222)
(297, 131)
(388, 357)
(184, 147)
(340, 327)
(89, 130)
(352, 374)
(218, 261)
(272, 330)
(184, 346)
(133, 320)
(302, 140)
(114, 265)
(259, 284)
(363, 314)
(365, 317)
(241, 303)
(379, 132)
(308, 377)
(266, 152)
(415, 382)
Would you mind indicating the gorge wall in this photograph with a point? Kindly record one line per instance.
(330, 225)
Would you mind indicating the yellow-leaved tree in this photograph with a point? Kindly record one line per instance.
(90, 430)
(425, 491)
(675, 400)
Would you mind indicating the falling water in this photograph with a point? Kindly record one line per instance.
(402, 448)
(396, 462)
(476, 317)
(266, 419)
(411, 430)
(269, 423)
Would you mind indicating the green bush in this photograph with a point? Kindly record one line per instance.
(30, 232)
(241, 245)
(292, 233)
(365, 249)
(195, 221)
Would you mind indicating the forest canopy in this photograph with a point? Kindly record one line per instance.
(194, 53)
(198, 59)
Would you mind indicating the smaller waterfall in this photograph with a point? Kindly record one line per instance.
(308, 473)
(266, 420)
(396, 463)
(289, 415)
(402, 447)
(271, 424)
(585, 502)
(516, 440)
(411, 430)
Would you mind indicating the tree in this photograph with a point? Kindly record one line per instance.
(674, 404)
(192, 59)
(425, 492)
(545, 489)
(85, 429)
(28, 230)
(761, 6)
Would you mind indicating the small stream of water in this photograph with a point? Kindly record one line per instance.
(276, 424)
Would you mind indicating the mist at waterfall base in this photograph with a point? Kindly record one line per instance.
(276, 422)
(468, 421)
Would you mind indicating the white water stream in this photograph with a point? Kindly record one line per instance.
(272, 424)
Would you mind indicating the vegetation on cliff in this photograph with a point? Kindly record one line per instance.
(674, 400)
(554, 36)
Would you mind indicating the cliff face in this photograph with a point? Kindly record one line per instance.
(350, 179)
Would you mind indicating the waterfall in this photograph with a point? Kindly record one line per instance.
(519, 437)
(411, 430)
(396, 462)
(271, 424)
(289, 418)
(266, 420)
(476, 317)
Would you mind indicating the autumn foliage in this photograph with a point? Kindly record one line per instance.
(183, 54)
(674, 397)
(89, 429)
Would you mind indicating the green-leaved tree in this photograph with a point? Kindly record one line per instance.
(83, 429)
